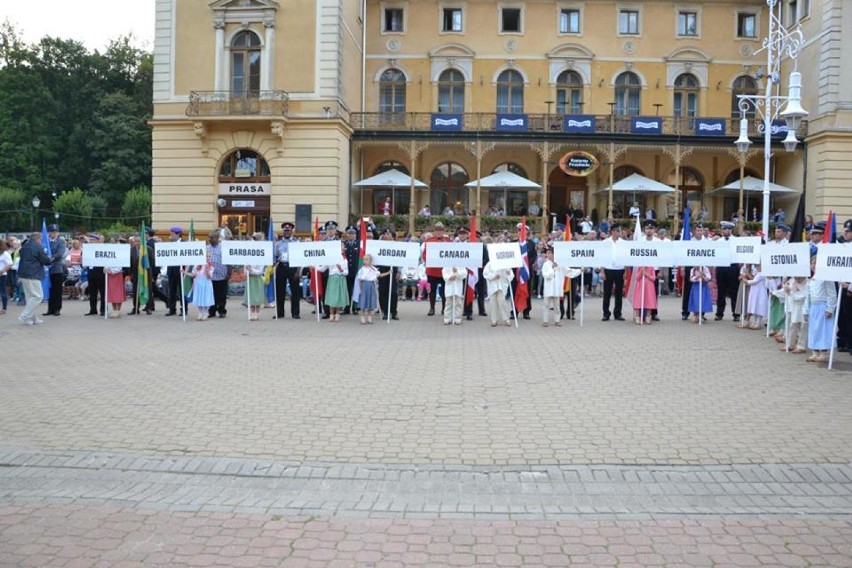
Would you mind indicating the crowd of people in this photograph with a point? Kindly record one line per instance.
(797, 311)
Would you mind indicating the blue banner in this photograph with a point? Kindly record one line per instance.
(779, 129)
(512, 122)
(583, 123)
(710, 126)
(452, 122)
(646, 125)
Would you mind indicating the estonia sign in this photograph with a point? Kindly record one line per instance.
(504, 255)
(317, 253)
(106, 255)
(745, 250)
(583, 254)
(180, 253)
(701, 253)
(247, 252)
(643, 253)
(441, 255)
(791, 259)
(391, 253)
(834, 262)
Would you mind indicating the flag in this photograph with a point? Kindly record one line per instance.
(687, 230)
(797, 233)
(142, 267)
(830, 228)
(567, 236)
(522, 290)
(472, 275)
(270, 270)
(316, 281)
(637, 232)
(45, 244)
(362, 250)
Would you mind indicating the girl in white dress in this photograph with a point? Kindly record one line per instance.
(758, 299)
(202, 289)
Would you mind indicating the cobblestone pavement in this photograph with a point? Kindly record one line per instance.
(147, 441)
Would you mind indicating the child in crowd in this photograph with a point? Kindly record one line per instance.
(795, 293)
(455, 278)
(115, 290)
(255, 295)
(758, 299)
(699, 293)
(202, 289)
(408, 275)
(822, 301)
(336, 292)
(422, 283)
(497, 283)
(365, 284)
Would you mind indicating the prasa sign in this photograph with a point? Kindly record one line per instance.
(244, 189)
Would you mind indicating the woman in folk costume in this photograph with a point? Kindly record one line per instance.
(643, 294)
(746, 271)
(367, 289)
(699, 293)
(115, 290)
(337, 292)
(758, 299)
(255, 295)
(497, 283)
(795, 296)
(822, 302)
(455, 278)
(202, 289)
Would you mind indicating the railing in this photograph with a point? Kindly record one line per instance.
(230, 103)
(551, 123)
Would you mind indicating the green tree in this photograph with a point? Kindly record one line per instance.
(75, 207)
(14, 210)
(137, 206)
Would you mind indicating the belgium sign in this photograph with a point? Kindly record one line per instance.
(578, 163)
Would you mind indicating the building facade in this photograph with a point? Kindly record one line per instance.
(266, 108)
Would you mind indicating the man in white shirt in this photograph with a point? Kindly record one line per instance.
(613, 277)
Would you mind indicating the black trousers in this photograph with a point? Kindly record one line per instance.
(173, 272)
(153, 291)
(727, 284)
(844, 324)
(54, 302)
(134, 280)
(481, 293)
(383, 295)
(434, 282)
(284, 274)
(95, 289)
(687, 287)
(220, 297)
(614, 282)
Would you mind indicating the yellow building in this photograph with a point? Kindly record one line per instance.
(277, 108)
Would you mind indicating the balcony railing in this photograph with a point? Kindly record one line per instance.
(230, 103)
(555, 124)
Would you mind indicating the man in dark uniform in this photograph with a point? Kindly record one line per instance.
(133, 272)
(174, 276)
(57, 270)
(481, 284)
(388, 276)
(727, 279)
(352, 245)
(284, 273)
(844, 321)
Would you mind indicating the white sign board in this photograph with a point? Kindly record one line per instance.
(392, 253)
(583, 254)
(504, 255)
(248, 252)
(180, 253)
(643, 253)
(441, 255)
(106, 255)
(244, 189)
(745, 250)
(315, 253)
(701, 253)
(834, 262)
(791, 259)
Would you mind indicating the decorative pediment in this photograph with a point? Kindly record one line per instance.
(690, 54)
(452, 50)
(570, 51)
(244, 5)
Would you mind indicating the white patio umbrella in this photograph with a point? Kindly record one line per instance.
(504, 181)
(635, 183)
(391, 179)
(751, 184)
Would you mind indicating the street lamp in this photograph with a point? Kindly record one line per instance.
(778, 43)
(36, 203)
(742, 144)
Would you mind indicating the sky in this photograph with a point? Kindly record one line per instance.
(94, 22)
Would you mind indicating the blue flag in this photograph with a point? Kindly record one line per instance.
(270, 286)
(687, 233)
(45, 244)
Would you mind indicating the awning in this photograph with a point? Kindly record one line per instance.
(390, 179)
(636, 183)
(504, 180)
(752, 185)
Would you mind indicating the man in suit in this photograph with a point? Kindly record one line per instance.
(284, 273)
(174, 276)
(57, 270)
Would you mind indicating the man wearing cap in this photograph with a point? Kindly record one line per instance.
(434, 274)
(219, 277)
(351, 244)
(284, 273)
(727, 279)
(844, 322)
(613, 277)
(174, 276)
(57, 270)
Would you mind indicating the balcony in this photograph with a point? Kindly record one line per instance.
(562, 124)
(228, 103)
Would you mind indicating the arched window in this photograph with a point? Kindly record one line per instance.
(451, 91)
(510, 167)
(510, 92)
(628, 94)
(392, 91)
(569, 93)
(390, 165)
(244, 165)
(245, 64)
(743, 85)
(735, 175)
(246, 175)
(686, 96)
(447, 189)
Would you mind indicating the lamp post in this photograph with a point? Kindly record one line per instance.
(36, 202)
(778, 43)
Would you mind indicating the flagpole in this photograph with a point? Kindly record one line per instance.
(248, 293)
(275, 287)
(834, 333)
(106, 291)
(641, 279)
(514, 309)
(786, 331)
(582, 295)
(316, 293)
(390, 287)
(182, 297)
(700, 298)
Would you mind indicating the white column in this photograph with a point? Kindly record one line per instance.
(266, 82)
(219, 75)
